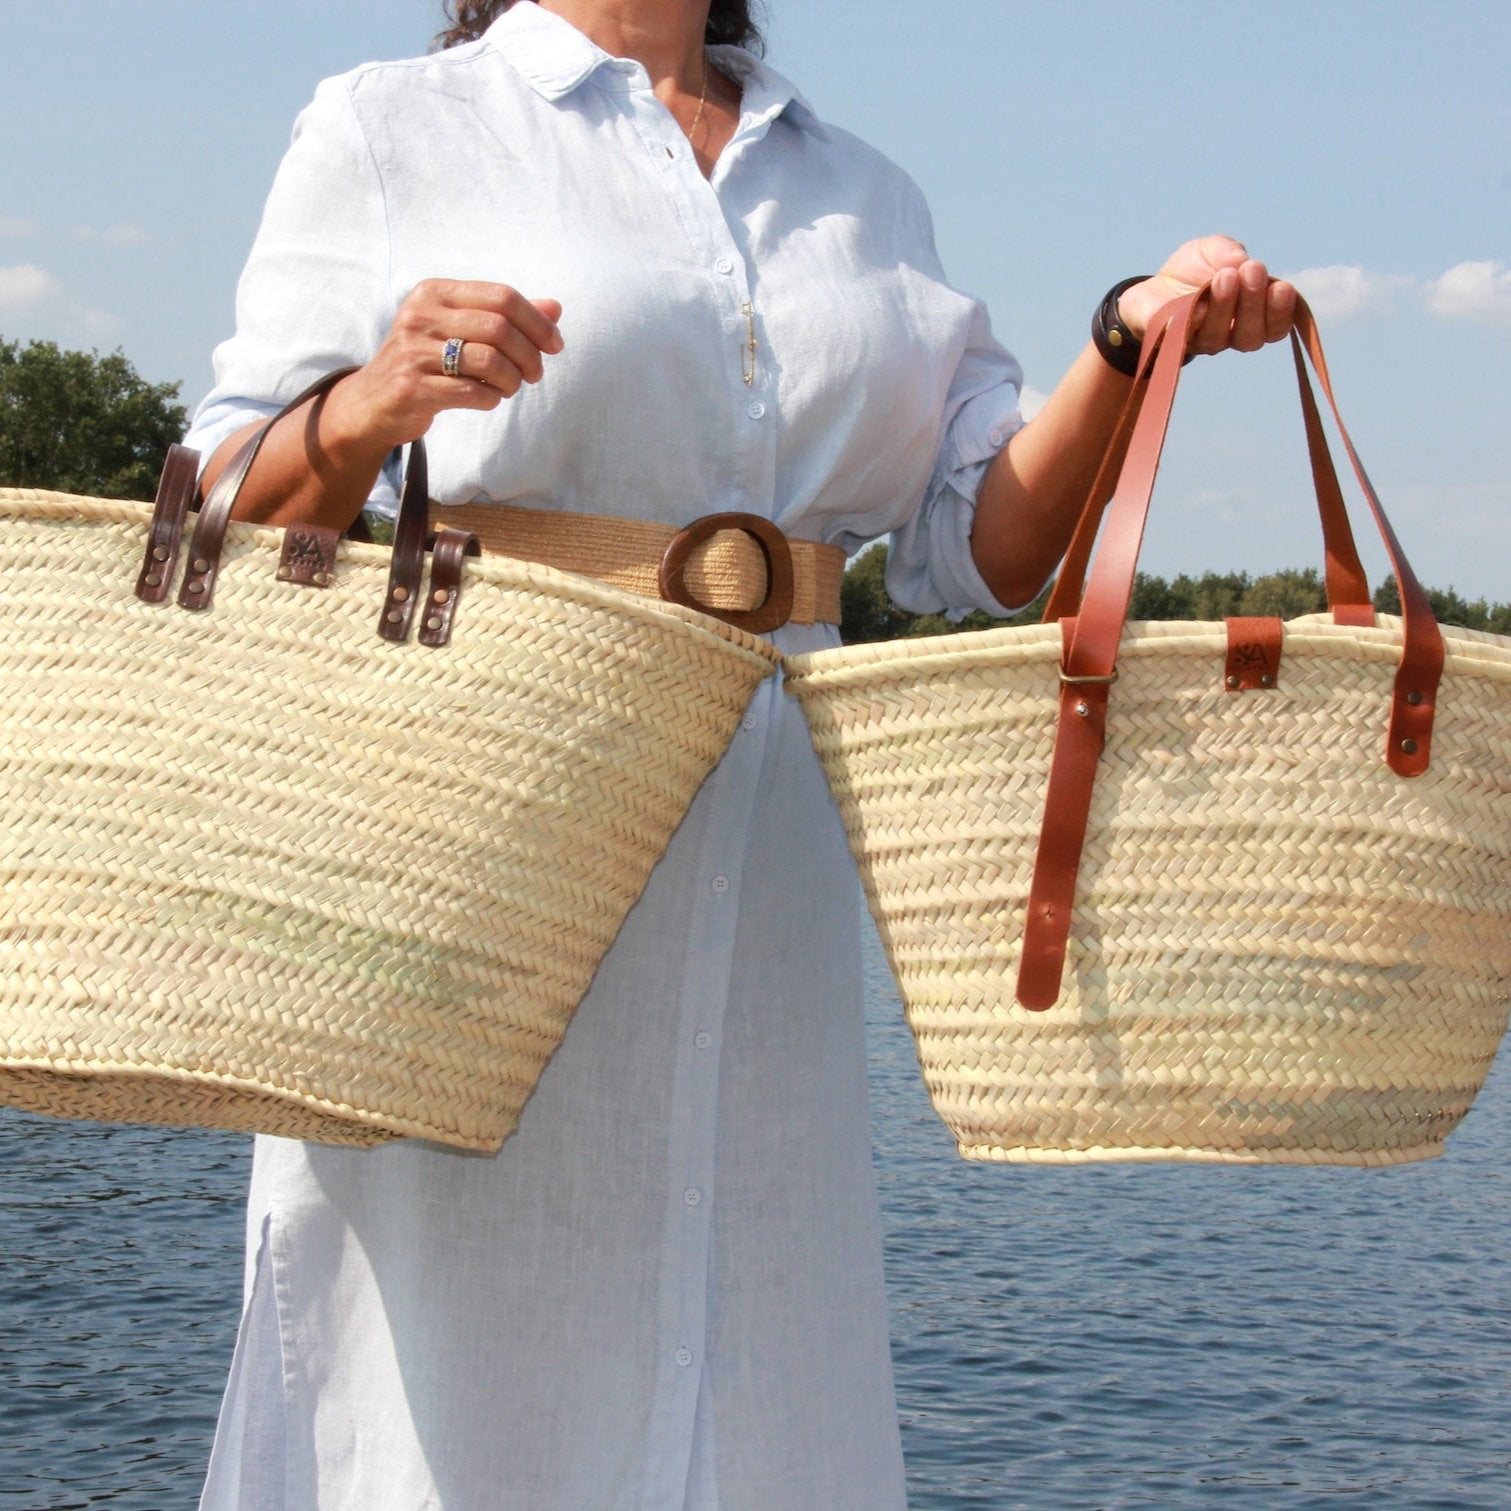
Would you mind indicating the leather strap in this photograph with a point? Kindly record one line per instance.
(308, 554)
(1348, 594)
(451, 548)
(722, 560)
(1079, 737)
(1091, 638)
(175, 492)
(1254, 648)
(209, 538)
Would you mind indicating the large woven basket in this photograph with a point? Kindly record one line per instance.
(1280, 949)
(261, 869)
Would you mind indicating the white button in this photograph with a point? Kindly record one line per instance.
(997, 437)
(721, 884)
(756, 409)
(692, 1197)
(703, 1039)
(684, 1357)
(748, 722)
(725, 266)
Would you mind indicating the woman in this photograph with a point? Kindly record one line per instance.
(663, 288)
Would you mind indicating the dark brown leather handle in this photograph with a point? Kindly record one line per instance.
(1090, 641)
(209, 538)
(175, 493)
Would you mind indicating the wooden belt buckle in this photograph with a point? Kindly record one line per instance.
(773, 611)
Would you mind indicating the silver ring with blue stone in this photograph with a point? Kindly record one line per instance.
(451, 357)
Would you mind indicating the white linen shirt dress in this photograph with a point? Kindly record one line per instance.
(665, 1292)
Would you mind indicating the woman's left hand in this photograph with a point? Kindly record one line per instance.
(1244, 307)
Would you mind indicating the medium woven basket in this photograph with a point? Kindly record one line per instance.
(263, 870)
(1282, 950)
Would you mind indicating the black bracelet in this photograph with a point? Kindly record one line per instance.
(1118, 345)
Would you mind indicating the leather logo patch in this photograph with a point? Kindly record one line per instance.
(1253, 658)
(309, 556)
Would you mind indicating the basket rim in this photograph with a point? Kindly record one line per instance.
(1471, 652)
(43, 505)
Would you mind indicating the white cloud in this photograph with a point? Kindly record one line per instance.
(33, 306)
(1471, 291)
(24, 287)
(124, 233)
(100, 324)
(127, 233)
(1342, 291)
(17, 225)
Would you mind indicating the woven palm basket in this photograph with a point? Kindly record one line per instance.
(1282, 952)
(260, 869)
(1234, 892)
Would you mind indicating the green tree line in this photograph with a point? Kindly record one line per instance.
(78, 422)
(868, 614)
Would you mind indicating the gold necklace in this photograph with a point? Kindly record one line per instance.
(692, 130)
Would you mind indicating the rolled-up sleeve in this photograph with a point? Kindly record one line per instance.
(316, 293)
(930, 569)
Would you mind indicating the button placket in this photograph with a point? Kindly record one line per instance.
(689, 1172)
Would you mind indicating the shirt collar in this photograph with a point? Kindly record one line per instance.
(554, 58)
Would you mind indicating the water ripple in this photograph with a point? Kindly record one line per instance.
(1065, 1339)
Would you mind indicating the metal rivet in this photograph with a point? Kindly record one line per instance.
(1114, 337)
(322, 579)
(400, 595)
(201, 565)
(441, 595)
(394, 616)
(161, 553)
(1233, 681)
(434, 622)
(154, 579)
(1409, 747)
(1267, 680)
(1082, 709)
(1414, 698)
(196, 584)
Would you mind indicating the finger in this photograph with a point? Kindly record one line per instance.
(443, 298)
(466, 393)
(1279, 310)
(493, 342)
(1248, 329)
(1211, 333)
(491, 368)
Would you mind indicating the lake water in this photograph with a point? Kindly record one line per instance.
(1065, 1339)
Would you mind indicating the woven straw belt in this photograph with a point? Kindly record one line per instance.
(738, 567)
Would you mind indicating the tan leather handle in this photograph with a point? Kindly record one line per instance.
(1347, 586)
(1091, 639)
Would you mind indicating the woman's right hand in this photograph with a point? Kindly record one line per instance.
(319, 464)
(393, 399)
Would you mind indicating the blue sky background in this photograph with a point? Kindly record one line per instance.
(1363, 145)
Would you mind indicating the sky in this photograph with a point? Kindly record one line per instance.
(1361, 146)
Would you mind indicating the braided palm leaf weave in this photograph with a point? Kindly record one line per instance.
(1281, 952)
(260, 869)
